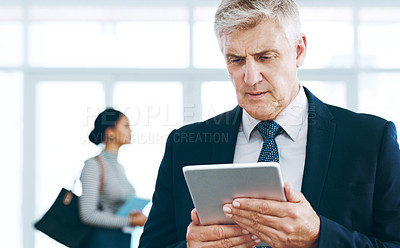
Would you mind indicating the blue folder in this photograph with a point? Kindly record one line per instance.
(133, 203)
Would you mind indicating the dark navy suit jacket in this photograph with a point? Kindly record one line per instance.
(351, 176)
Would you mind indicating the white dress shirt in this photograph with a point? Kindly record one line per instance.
(291, 143)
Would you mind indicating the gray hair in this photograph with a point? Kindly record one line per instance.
(236, 15)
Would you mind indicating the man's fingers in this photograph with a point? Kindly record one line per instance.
(237, 242)
(292, 195)
(280, 224)
(220, 232)
(242, 206)
(266, 207)
(214, 232)
(219, 236)
(255, 222)
(195, 217)
(209, 239)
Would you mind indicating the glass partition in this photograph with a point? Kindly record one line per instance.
(11, 150)
(65, 116)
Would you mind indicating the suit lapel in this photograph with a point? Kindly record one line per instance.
(321, 131)
(320, 137)
(226, 131)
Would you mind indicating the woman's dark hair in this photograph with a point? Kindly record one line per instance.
(107, 118)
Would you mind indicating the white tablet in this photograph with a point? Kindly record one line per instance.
(211, 186)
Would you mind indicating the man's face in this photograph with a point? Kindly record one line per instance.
(262, 65)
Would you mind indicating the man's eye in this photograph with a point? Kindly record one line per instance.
(235, 60)
(265, 57)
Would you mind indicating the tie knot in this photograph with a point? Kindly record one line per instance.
(268, 129)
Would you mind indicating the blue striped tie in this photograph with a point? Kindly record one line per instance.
(269, 130)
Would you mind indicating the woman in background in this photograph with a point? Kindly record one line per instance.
(104, 191)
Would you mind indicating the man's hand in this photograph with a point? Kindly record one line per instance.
(280, 224)
(218, 235)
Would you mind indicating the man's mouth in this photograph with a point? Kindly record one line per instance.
(257, 94)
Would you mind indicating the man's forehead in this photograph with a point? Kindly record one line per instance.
(261, 38)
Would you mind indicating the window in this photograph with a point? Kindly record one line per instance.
(75, 37)
(65, 117)
(216, 98)
(11, 149)
(329, 92)
(379, 37)
(11, 42)
(379, 95)
(330, 37)
(206, 52)
(153, 109)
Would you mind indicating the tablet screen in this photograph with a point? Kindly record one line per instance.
(211, 186)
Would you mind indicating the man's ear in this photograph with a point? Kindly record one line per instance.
(301, 48)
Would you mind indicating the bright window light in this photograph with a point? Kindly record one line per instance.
(140, 37)
(329, 36)
(154, 109)
(99, 44)
(65, 116)
(216, 98)
(11, 48)
(379, 37)
(329, 92)
(206, 51)
(11, 124)
(379, 95)
(108, 13)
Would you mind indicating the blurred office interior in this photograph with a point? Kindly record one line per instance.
(62, 62)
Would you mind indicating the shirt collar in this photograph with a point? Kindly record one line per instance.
(291, 119)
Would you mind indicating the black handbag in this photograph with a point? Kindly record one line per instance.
(62, 221)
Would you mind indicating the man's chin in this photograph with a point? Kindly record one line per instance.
(261, 113)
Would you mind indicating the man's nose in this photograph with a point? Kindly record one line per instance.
(252, 74)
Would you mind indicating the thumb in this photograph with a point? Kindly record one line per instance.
(195, 217)
(291, 194)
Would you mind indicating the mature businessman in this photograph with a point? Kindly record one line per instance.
(342, 168)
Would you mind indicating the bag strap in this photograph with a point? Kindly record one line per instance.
(102, 172)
